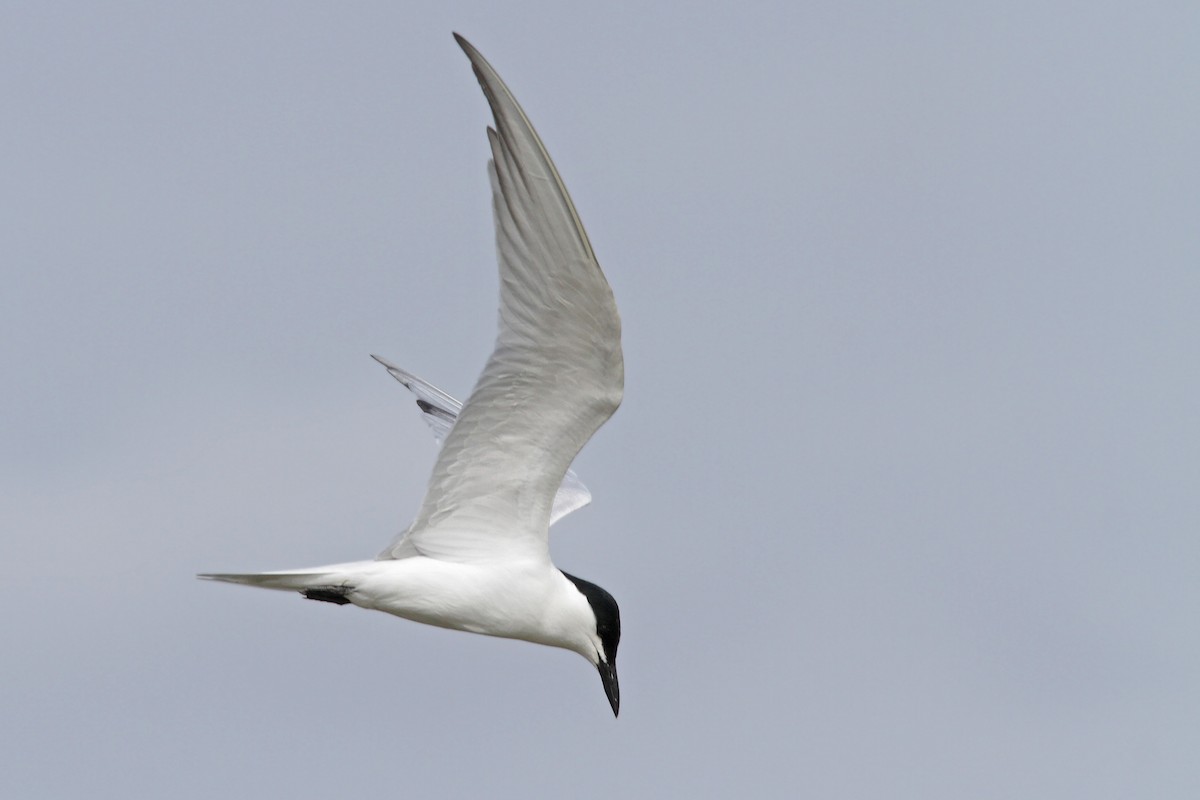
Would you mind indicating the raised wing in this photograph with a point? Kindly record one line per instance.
(556, 374)
(440, 410)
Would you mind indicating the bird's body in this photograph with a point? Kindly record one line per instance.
(477, 556)
(528, 600)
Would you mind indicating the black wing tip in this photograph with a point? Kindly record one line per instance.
(484, 72)
(466, 46)
(435, 411)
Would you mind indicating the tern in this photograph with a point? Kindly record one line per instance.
(477, 556)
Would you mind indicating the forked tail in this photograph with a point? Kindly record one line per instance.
(293, 581)
(322, 583)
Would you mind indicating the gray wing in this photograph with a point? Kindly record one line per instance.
(440, 410)
(555, 376)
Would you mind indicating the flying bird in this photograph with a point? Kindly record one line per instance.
(477, 557)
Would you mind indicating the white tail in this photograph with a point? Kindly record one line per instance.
(290, 581)
(295, 580)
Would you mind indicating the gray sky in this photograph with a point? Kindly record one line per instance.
(904, 497)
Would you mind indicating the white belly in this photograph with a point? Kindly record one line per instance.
(513, 600)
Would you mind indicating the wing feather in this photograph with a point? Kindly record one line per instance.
(439, 409)
(555, 376)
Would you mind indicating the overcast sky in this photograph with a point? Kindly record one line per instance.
(904, 498)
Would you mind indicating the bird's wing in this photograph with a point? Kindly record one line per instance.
(572, 495)
(440, 410)
(555, 376)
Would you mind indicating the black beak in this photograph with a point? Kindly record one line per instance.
(608, 676)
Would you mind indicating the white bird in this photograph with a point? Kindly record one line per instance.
(477, 556)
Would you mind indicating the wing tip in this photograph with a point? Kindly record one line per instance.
(405, 378)
(478, 62)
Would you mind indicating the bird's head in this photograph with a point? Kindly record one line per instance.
(603, 638)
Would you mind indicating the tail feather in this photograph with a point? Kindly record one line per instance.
(332, 583)
(328, 587)
(288, 581)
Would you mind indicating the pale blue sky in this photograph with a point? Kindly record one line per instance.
(903, 499)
